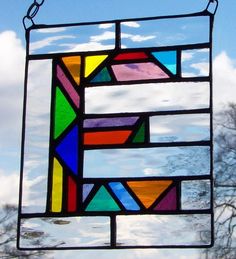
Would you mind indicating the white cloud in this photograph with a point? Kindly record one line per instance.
(137, 38)
(105, 25)
(224, 84)
(202, 67)
(185, 56)
(51, 30)
(131, 24)
(9, 188)
(86, 47)
(47, 42)
(107, 35)
(12, 55)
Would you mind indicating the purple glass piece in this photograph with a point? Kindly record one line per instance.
(86, 190)
(108, 122)
(68, 86)
(169, 202)
(138, 71)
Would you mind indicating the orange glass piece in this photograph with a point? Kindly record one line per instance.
(106, 137)
(73, 64)
(149, 191)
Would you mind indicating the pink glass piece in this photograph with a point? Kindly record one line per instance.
(138, 71)
(68, 86)
(168, 202)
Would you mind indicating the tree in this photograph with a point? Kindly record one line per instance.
(225, 185)
(8, 225)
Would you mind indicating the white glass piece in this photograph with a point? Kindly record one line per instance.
(65, 232)
(187, 127)
(35, 170)
(144, 162)
(195, 62)
(146, 97)
(195, 194)
(154, 230)
(166, 32)
(80, 38)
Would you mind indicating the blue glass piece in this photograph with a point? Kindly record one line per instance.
(123, 195)
(86, 190)
(102, 76)
(168, 59)
(68, 150)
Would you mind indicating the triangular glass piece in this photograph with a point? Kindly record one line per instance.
(68, 150)
(168, 59)
(92, 62)
(169, 202)
(102, 76)
(73, 65)
(64, 113)
(87, 188)
(140, 135)
(102, 201)
(149, 191)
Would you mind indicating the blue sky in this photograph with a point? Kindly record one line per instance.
(12, 44)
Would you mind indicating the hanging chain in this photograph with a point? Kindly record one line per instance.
(31, 13)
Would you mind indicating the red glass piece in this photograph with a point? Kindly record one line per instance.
(72, 195)
(130, 56)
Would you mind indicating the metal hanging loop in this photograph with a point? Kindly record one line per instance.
(31, 13)
(212, 6)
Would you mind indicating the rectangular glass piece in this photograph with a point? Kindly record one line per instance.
(110, 122)
(80, 38)
(144, 162)
(187, 127)
(165, 32)
(146, 97)
(162, 230)
(195, 194)
(37, 130)
(65, 232)
(195, 62)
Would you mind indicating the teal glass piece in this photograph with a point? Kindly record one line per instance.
(168, 59)
(124, 197)
(102, 76)
(102, 201)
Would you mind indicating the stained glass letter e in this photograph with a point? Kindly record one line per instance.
(117, 139)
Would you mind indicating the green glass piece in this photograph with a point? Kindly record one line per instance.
(102, 76)
(140, 135)
(64, 113)
(102, 201)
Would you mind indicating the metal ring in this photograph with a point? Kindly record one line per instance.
(37, 2)
(33, 10)
(210, 3)
(28, 19)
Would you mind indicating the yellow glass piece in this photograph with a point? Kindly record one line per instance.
(149, 191)
(92, 62)
(57, 181)
(73, 64)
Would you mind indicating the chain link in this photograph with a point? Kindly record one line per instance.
(212, 6)
(31, 13)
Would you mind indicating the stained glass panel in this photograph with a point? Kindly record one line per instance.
(118, 134)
